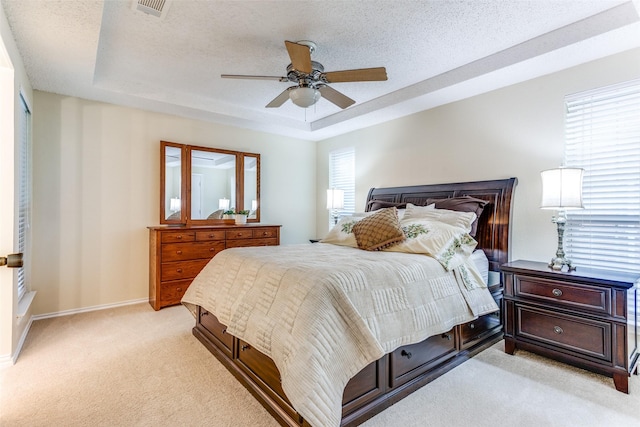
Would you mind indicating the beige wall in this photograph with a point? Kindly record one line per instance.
(512, 132)
(96, 189)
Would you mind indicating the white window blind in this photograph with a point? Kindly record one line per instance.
(602, 136)
(342, 169)
(24, 188)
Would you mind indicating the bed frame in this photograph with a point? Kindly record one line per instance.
(401, 372)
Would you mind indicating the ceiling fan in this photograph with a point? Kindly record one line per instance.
(311, 79)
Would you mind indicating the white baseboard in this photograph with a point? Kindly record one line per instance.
(87, 309)
(10, 359)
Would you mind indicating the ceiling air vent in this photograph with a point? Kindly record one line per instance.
(152, 7)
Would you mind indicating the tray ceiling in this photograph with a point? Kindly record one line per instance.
(434, 52)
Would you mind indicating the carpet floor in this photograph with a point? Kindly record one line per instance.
(132, 366)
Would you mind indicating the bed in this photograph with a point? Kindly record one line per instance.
(355, 354)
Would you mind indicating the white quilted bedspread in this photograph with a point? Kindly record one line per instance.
(323, 312)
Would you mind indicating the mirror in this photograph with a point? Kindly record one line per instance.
(251, 185)
(198, 184)
(213, 183)
(172, 188)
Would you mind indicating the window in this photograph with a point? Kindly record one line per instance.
(24, 187)
(602, 135)
(342, 167)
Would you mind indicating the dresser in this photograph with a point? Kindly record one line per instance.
(177, 254)
(587, 317)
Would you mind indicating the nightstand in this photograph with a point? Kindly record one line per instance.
(587, 318)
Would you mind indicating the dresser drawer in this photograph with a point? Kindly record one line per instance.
(239, 234)
(181, 269)
(177, 236)
(210, 235)
(580, 297)
(409, 361)
(264, 233)
(172, 292)
(239, 243)
(574, 334)
(187, 251)
(217, 329)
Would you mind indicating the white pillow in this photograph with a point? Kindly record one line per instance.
(455, 218)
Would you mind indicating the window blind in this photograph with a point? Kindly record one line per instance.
(342, 177)
(24, 190)
(602, 136)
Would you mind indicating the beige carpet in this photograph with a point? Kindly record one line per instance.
(132, 366)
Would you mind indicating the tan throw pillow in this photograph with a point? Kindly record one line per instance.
(378, 231)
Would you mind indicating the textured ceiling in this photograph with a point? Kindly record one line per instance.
(434, 52)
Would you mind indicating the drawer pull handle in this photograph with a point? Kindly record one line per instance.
(205, 313)
(212, 249)
(406, 354)
(179, 289)
(179, 270)
(224, 331)
(265, 234)
(179, 252)
(472, 326)
(558, 330)
(446, 336)
(556, 292)
(245, 347)
(211, 235)
(179, 236)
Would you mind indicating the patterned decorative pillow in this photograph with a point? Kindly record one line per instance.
(378, 231)
(448, 244)
(455, 218)
(342, 233)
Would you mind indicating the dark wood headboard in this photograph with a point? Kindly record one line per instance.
(494, 225)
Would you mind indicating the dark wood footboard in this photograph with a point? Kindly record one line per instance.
(375, 388)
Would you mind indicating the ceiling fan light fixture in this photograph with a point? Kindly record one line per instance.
(304, 96)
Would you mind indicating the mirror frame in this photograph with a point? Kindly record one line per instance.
(185, 184)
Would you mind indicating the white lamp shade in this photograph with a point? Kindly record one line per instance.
(304, 96)
(335, 199)
(223, 204)
(174, 204)
(562, 188)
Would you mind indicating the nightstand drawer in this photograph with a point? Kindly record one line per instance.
(580, 297)
(574, 334)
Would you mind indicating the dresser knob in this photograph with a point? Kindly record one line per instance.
(558, 330)
(245, 347)
(556, 292)
(179, 270)
(179, 236)
(212, 249)
(406, 354)
(179, 289)
(179, 252)
(472, 326)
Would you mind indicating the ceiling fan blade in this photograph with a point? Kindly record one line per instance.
(280, 99)
(336, 97)
(240, 76)
(360, 75)
(300, 56)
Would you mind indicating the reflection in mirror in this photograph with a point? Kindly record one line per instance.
(251, 174)
(213, 184)
(172, 183)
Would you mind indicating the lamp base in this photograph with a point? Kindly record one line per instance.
(558, 263)
(560, 260)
